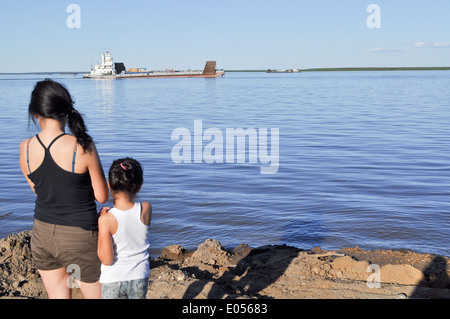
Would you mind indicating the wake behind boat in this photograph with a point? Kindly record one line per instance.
(107, 69)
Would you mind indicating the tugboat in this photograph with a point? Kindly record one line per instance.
(107, 69)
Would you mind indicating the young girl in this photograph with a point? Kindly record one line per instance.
(123, 235)
(66, 175)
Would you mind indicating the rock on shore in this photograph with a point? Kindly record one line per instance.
(279, 272)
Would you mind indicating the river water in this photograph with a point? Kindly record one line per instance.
(363, 157)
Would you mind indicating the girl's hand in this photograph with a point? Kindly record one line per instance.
(104, 211)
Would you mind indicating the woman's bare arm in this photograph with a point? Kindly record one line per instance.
(98, 179)
(23, 163)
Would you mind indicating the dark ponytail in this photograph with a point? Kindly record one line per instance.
(51, 100)
(79, 129)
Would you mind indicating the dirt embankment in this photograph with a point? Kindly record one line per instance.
(279, 272)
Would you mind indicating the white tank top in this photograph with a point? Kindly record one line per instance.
(130, 244)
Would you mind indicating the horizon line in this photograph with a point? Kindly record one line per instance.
(392, 68)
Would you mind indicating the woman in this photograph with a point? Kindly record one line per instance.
(67, 177)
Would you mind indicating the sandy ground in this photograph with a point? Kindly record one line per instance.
(275, 272)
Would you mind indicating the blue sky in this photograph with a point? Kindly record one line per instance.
(245, 34)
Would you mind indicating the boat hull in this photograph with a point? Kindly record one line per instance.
(150, 75)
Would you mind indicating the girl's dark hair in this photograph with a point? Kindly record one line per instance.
(126, 175)
(51, 100)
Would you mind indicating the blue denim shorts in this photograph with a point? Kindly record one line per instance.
(132, 289)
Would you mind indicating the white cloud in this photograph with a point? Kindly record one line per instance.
(441, 45)
(419, 44)
(408, 46)
(431, 44)
(386, 49)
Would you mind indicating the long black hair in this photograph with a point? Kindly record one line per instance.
(51, 100)
(126, 175)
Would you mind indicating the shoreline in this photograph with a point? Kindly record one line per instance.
(355, 69)
(266, 272)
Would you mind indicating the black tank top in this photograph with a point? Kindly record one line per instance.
(63, 197)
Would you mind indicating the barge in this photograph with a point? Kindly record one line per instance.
(107, 69)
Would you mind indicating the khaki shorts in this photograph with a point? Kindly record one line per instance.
(75, 249)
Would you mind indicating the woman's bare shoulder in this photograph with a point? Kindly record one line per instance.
(25, 142)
